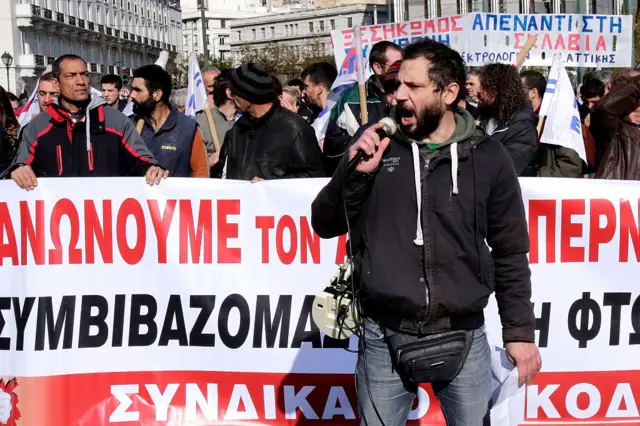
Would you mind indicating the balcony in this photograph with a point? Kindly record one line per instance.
(146, 40)
(102, 68)
(35, 10)
(81, 23)
(39, 60)
(111, 69)
(125, 35)
(93, 67)
(91, 26)
(31, 61)
(60, 17)
(109, 31)
(72, 20)
(48, 14)
(50, 60)
(139, 39)
(101, 29)
(117, 33)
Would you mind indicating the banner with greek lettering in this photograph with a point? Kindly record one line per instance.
(481, 38)
(189, 303)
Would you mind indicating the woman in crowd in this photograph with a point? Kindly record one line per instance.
(9, 128)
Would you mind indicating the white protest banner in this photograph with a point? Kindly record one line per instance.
(481, 38)
(562, 126)
(583, 40)
(189, 304)
(402, 33)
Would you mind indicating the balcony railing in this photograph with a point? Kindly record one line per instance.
(117, 33)
(81, 23)
(111, 69)
(39, 60)
(72, 20)
(139, 39)
(109, 31)
(125, 35)
(102, 68)
(92, 26)
(146, 40)
(60, 17)
(93, 67)
(48, 14)
(101, 29)
(35, 10)
(50, 60)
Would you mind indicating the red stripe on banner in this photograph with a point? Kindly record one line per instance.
(207, 398)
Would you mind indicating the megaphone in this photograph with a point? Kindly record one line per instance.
(333, 310)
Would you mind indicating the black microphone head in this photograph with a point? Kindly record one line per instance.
(389, 126)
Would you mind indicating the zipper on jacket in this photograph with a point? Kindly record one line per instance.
(59, 159)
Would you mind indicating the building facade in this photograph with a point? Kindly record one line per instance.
(108, 34)
(218, 16)
(304, 27)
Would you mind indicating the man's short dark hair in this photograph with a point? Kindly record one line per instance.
(446, 67)
(55, 68)
(112, 79)
(155, 78)
(378, 53)
(321, 73)
(296, 82)
(534, 80)
(47, 76)
(592, 88)
(220, 86)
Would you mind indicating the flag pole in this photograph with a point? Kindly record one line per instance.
(364, 116)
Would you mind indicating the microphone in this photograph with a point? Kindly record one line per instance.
(389, 128)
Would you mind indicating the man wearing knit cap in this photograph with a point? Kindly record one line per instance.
(268, 141)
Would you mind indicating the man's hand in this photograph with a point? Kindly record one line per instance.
(24, 177)
(5, 407)
(214, 158)
(256, 179)
(155, 174)
(526, 357)
(373, 148)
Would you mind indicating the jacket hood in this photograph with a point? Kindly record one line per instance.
(94, 102)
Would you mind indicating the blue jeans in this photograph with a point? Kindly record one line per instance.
(464, 400)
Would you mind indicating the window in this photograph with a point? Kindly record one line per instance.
(332, 24)
(286, 31)
(239, 35)
(273, 32)
(129, 6)
(206, 24)
(263, 32)
(253, 33)
(135, 8)
(321, 25)
(223, 23)
(349, 22)
(296, 29)
(310, 27)
(221, 41)
(122, 4)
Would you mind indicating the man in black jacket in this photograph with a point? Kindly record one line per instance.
(268, 141)
(80, 136)
(506, 114)
(420, 208)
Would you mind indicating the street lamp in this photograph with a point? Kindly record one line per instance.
(7, 60)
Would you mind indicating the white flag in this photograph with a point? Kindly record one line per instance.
(196, 93)
(559, 105)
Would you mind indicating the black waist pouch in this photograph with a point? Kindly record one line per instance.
(433, 358)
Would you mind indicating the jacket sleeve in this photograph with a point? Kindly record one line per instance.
(198, 162)
(27, 147)
(522, 146)
(508, 237)
(621, 100)
(306, 157)
(135, 157)
(560, 161)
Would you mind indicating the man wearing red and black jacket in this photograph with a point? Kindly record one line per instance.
(81, 136)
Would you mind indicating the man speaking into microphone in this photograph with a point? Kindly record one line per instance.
(421, 207)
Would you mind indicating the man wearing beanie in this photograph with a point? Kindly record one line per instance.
(268, 141)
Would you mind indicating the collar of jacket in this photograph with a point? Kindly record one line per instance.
(168, 124)
(255, 124)
(464, 147)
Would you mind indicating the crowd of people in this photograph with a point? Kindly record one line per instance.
(257, 128)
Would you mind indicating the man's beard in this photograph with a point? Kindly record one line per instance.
(427, 121)
(144, 109)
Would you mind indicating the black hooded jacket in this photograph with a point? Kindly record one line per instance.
(421, 261)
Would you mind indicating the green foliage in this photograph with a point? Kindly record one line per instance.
(285, 61)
